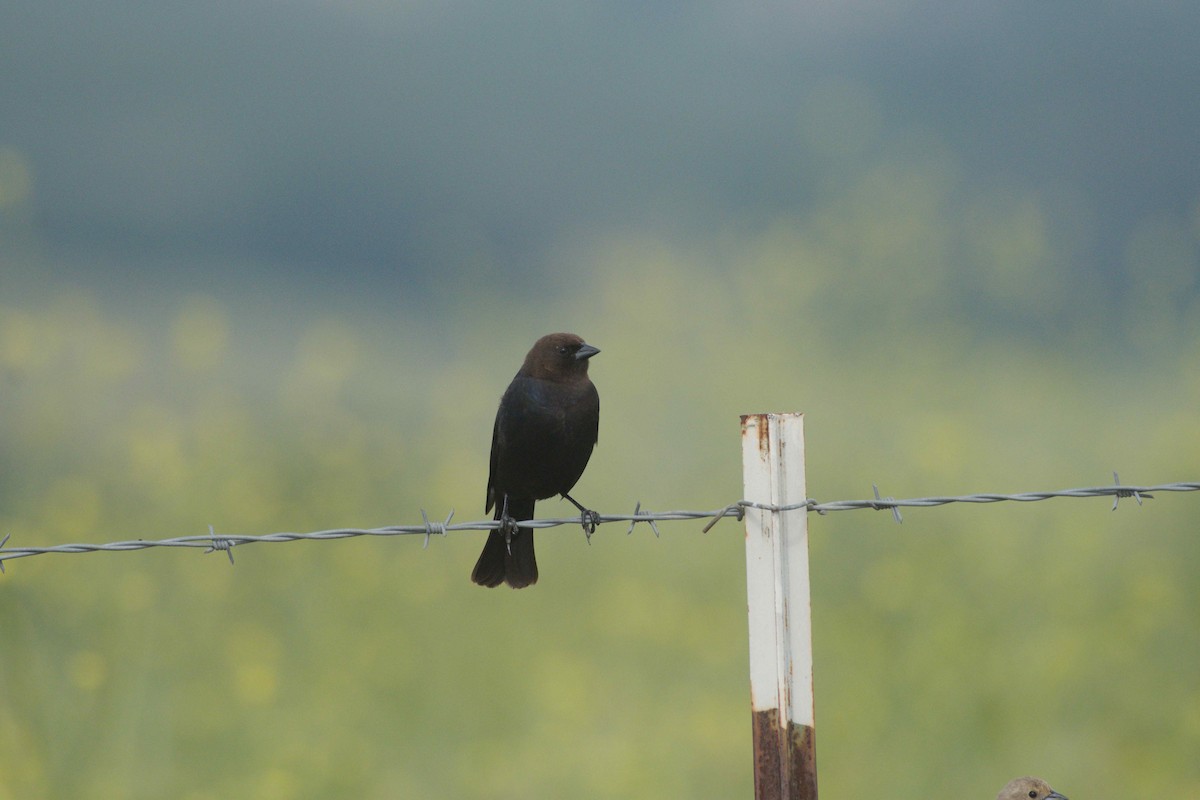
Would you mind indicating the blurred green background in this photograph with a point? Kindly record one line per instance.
(269, 267)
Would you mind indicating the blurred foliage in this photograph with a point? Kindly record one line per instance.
(940, 338)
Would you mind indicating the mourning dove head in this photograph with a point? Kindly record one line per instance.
(1028, 789)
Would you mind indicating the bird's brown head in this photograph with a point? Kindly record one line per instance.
(558, 356)
(1028, 788)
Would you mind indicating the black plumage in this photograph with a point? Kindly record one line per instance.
(544, 433)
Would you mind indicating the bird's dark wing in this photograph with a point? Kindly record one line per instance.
(496, 444)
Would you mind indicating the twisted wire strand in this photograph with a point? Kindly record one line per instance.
(213, 542)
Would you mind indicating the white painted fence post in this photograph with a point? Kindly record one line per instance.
(777, 590)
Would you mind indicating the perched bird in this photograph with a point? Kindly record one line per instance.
(543, 437)
(1028, 789)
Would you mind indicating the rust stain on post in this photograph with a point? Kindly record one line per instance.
(763, 429)
(785, 759)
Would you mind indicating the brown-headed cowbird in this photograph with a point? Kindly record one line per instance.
(543, 437)
(1028, 788)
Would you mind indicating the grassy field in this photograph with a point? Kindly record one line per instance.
(922, 329)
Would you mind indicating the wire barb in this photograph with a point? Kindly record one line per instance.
(891, 503)
(219, 543)
(435, 527)
(1121, 492)
(637, 517)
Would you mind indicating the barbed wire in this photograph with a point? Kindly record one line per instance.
(214, 542)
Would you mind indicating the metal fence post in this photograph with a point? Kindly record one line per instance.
(777, 590)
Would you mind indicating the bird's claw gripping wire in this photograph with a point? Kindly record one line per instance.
(587, 518)
(508, 527)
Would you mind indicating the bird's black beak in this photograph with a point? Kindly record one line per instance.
(585, 352)
(1055, 796)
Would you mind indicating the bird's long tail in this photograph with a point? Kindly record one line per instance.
(511, 562)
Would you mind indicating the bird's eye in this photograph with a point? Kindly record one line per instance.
(562, 348)
(1033, 793)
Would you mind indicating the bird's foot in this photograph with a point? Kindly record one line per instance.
(589, 519)
(508, 527)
